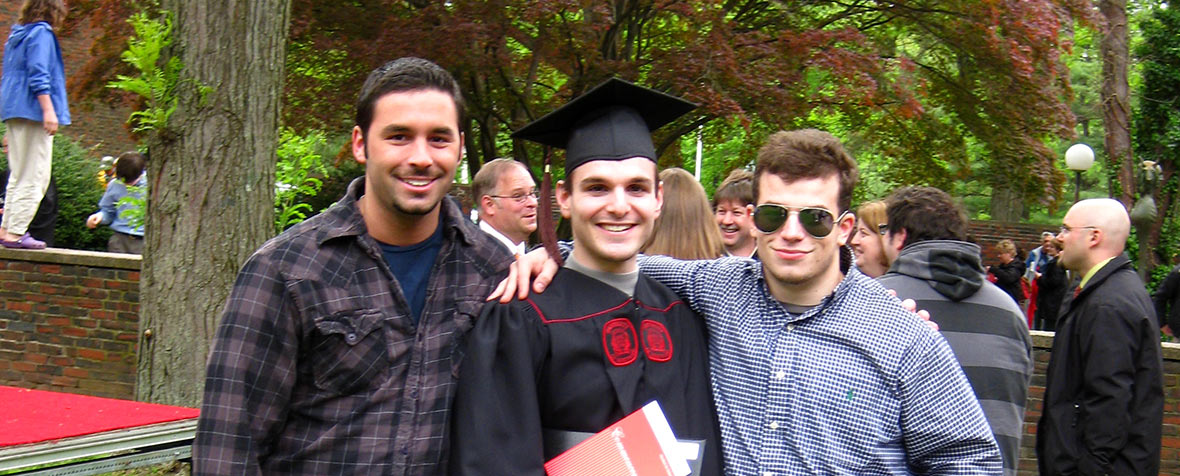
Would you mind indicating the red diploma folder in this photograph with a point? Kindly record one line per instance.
(641, 444)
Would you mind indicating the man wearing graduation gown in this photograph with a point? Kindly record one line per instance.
(541, 374)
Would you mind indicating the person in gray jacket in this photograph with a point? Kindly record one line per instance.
(934, 266)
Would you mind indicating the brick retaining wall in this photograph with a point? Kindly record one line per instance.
(69, 321)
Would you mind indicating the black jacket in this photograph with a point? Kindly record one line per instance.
(1008, 278)
(1104, 399)
(1167, 301)
(1051, 287)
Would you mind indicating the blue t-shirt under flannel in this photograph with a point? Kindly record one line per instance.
(411, 267)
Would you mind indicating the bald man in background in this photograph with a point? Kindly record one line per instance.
(1104, 397)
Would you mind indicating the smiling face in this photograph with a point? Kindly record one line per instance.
(733, 218)
(870, 251)
(611, 205)
(516, 219)
(799, 268)
(410, 153)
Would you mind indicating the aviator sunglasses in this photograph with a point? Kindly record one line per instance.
(817, 222)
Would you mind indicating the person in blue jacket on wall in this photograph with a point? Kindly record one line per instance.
(32, 105)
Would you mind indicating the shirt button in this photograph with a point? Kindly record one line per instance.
(790, 327)
(773, 425)
(351, 338)
(780, 375)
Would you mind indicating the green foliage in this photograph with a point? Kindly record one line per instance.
(78, 193)
(155, 83)
(297, 174)
(136, 205)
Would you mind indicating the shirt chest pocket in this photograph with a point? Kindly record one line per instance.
(348, 351)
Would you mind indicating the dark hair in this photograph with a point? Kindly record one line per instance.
(925, 213)
(129, 166)
(50, 11)
(400, 75)
(807, 154)
(489, 175)
(738, 186)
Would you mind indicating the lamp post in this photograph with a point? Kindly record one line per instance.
(1079, 158)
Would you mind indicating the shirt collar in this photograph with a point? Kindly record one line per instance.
(517, 248)
(1093, 271)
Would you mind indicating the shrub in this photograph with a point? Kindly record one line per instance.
(78, 192)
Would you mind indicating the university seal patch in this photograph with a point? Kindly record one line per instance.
(620, 342)
(657, 344)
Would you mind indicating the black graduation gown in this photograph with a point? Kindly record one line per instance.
(578, 357)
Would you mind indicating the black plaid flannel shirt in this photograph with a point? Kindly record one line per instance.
(316, 367)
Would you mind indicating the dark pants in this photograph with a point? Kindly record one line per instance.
(124, 243)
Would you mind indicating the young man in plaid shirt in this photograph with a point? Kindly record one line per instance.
(334, 352)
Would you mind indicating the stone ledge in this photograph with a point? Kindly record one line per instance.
(1044, 340)
(97, 259)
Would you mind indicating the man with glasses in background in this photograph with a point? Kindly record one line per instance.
(1103, 409)
(506, 197)
(816, 368)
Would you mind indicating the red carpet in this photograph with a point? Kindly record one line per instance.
(31, 416)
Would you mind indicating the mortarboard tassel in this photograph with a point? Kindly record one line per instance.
(545, 220)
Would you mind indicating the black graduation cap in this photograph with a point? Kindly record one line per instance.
(613, 121)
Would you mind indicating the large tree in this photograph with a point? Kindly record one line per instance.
(211, 179)
(1157, 129)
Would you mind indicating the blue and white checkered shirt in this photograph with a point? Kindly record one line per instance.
(856, 385)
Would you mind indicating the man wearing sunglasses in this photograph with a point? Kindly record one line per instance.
(506, 197)
(1103, 409)
(938, 269)
(816, 368)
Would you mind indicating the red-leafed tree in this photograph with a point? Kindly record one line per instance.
(912, 81)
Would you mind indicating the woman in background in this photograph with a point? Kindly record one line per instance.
(1010, 270)
(32, 105)
(1051, 285)
(685, 228)
(868, 240)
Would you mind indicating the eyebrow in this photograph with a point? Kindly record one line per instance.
(392, 128)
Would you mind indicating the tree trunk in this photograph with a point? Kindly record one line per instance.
(1006, 204)
(212, 173)
(1116, 109)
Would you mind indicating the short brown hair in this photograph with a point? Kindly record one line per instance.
(129, 166)
(925, 213)
(401, 75)
(50, 11)
(738, 186)
(488, 176)
(807, 154)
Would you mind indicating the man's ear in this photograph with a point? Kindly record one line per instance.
(358, 145)
(659, 199)
(563, 198)
(846, 226)
(896, 238)
(750, 213)
(486, 206)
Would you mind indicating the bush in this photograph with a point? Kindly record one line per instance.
(78, 192)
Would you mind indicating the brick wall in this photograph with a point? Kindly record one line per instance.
(94, 124)
(69, 321)
(1026, 236)
(1170, 455)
